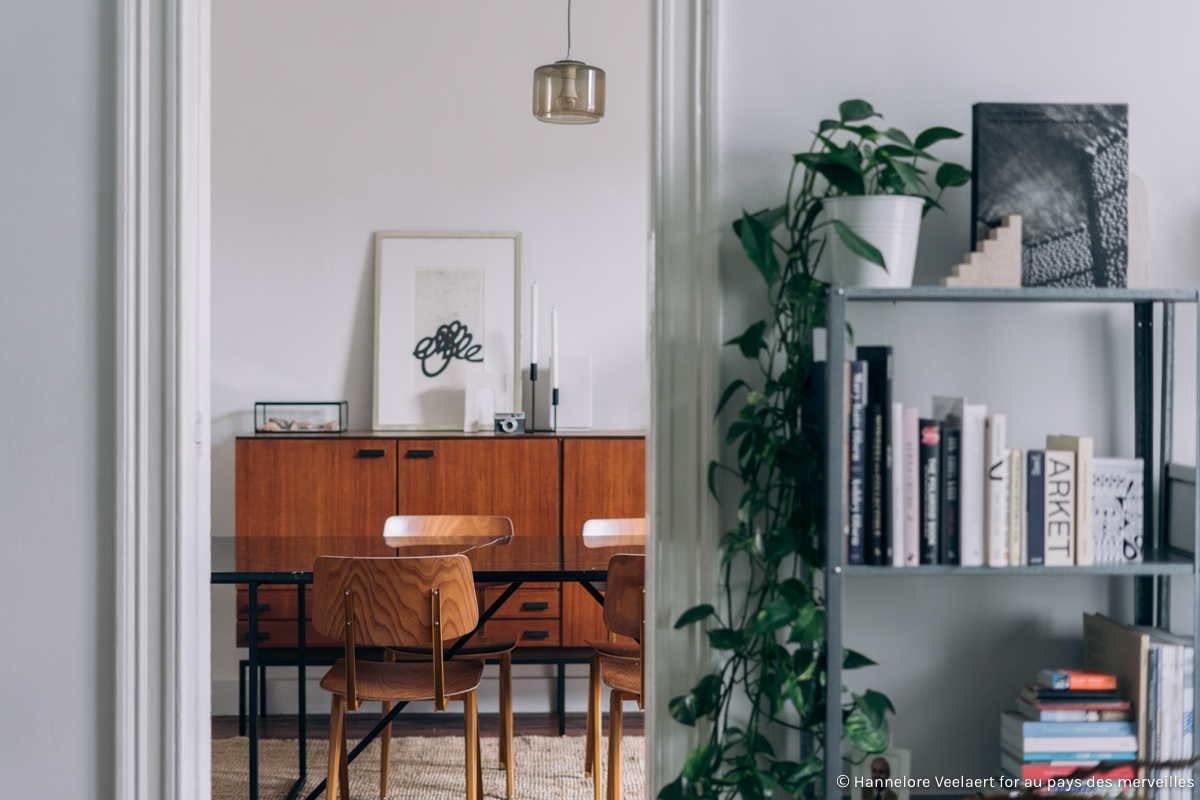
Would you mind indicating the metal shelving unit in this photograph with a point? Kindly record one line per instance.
(1152, 577)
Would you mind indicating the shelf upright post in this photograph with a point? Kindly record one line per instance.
(1196, 554)
(835, 358)
(1166, 431)
(1143, 404)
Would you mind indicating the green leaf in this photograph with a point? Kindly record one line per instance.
(932, 135)
(897, 135)
(952, 175)
(672, 791)
(864, 733)
(725, 638)
(858, 245)
(908, 174)
(852, 659)
(843, 178)
(728, 393)
(828, 125)
(773, 616)
(855, 110)
(697, 613)
(751, 342)
(865, 131)
(901, 151)
(759, 247)
(761, 745)
(700, 761)
(809, 625)
(683, 709)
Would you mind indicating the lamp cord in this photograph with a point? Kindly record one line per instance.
(568, 30)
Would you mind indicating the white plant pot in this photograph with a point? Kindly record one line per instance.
(890, 222)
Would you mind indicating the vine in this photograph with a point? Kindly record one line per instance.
(773, 637)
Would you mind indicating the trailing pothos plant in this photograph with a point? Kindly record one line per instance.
(773, 634)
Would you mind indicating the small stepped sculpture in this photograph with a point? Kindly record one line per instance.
(996, 261)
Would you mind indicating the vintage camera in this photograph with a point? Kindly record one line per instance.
(513, 422)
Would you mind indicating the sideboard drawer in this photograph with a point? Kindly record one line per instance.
(526, 604)
(527, 632)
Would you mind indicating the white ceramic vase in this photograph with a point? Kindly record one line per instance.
(890, 222)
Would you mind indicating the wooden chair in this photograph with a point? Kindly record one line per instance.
(382, 602)
(619, 666)
(456, 530)
(607, 533)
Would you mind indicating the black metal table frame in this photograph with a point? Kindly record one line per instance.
(514, 579)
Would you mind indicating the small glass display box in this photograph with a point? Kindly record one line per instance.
(301, 417)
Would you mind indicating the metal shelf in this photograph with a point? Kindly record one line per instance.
(941, 294)
(1172, 565)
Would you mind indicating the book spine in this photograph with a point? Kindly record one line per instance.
(949, 527)
(1035, 492)
(1016, 505)
(1080, 755)
(1060, 508)
(1085, 681)
(879, 363)
(876, 482)
(997, 492)
(895, 541)
(858, 461)
(971, 542)
(930, 482)
(1084, 552)
(912, 487)
(846, 415)
(1083, 730)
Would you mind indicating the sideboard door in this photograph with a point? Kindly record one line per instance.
(602, 479)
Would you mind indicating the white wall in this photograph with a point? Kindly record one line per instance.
(335, 120)
(953, 652)
(57, 89)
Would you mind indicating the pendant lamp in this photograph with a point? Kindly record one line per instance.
(568, 92)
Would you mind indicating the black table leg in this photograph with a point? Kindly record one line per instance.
(593, 591)
(562, 699)
(242, 697)
(262, 695)
(253, 667)
(302, 700)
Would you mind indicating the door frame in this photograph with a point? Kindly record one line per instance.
(162, 704)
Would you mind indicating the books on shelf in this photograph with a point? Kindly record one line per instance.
(1077, 679)
(948, 489)
(1013, 767)
(1075, 711)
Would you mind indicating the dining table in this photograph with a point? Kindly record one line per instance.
(508, 561)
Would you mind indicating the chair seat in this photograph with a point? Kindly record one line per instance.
(476, 646)
(402, 681)
(624, 676)
(629, 650)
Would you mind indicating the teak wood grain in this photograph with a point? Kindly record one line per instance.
(602, 479)
(401, 681)
(326, 488)
(392, 598)
(526, 604)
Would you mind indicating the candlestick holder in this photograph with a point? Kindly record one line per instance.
(532, 426)
(554, 403)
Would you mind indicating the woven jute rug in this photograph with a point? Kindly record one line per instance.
(429, 768)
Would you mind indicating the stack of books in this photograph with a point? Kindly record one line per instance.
(1069, 721)
(948, 488)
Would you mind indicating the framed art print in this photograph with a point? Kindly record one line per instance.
(446, 307)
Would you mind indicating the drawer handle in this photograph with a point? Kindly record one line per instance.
(419, 454)
(261, 607)
(372, 453)
(534, 606)
(261, 635)
(537, 634)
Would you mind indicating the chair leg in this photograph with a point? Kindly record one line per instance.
(479, 766)
(506, 721)
(470, 739)
(587, 747)
(614, 745)
(345, 771)
(594, 730)
(385, 740)
(336, 720)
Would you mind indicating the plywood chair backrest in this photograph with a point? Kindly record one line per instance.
(623, 598)
(447, 526)
(392, 598)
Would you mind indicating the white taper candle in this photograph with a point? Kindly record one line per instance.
(553, 348)
(533, 327)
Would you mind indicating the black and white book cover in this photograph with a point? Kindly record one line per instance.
(857, 489)
(1065, 169)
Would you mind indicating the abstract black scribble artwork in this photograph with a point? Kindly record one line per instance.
(1065, 169)
(451, 341)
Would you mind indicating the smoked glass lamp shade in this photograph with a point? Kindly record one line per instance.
(569, 93)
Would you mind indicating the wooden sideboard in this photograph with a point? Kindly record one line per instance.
(327, 486)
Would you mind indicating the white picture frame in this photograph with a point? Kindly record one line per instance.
(899, 765)
(446, 305)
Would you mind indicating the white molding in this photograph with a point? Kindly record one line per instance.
(684, 302)
(162, 730)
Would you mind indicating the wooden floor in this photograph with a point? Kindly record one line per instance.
(358, 725)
